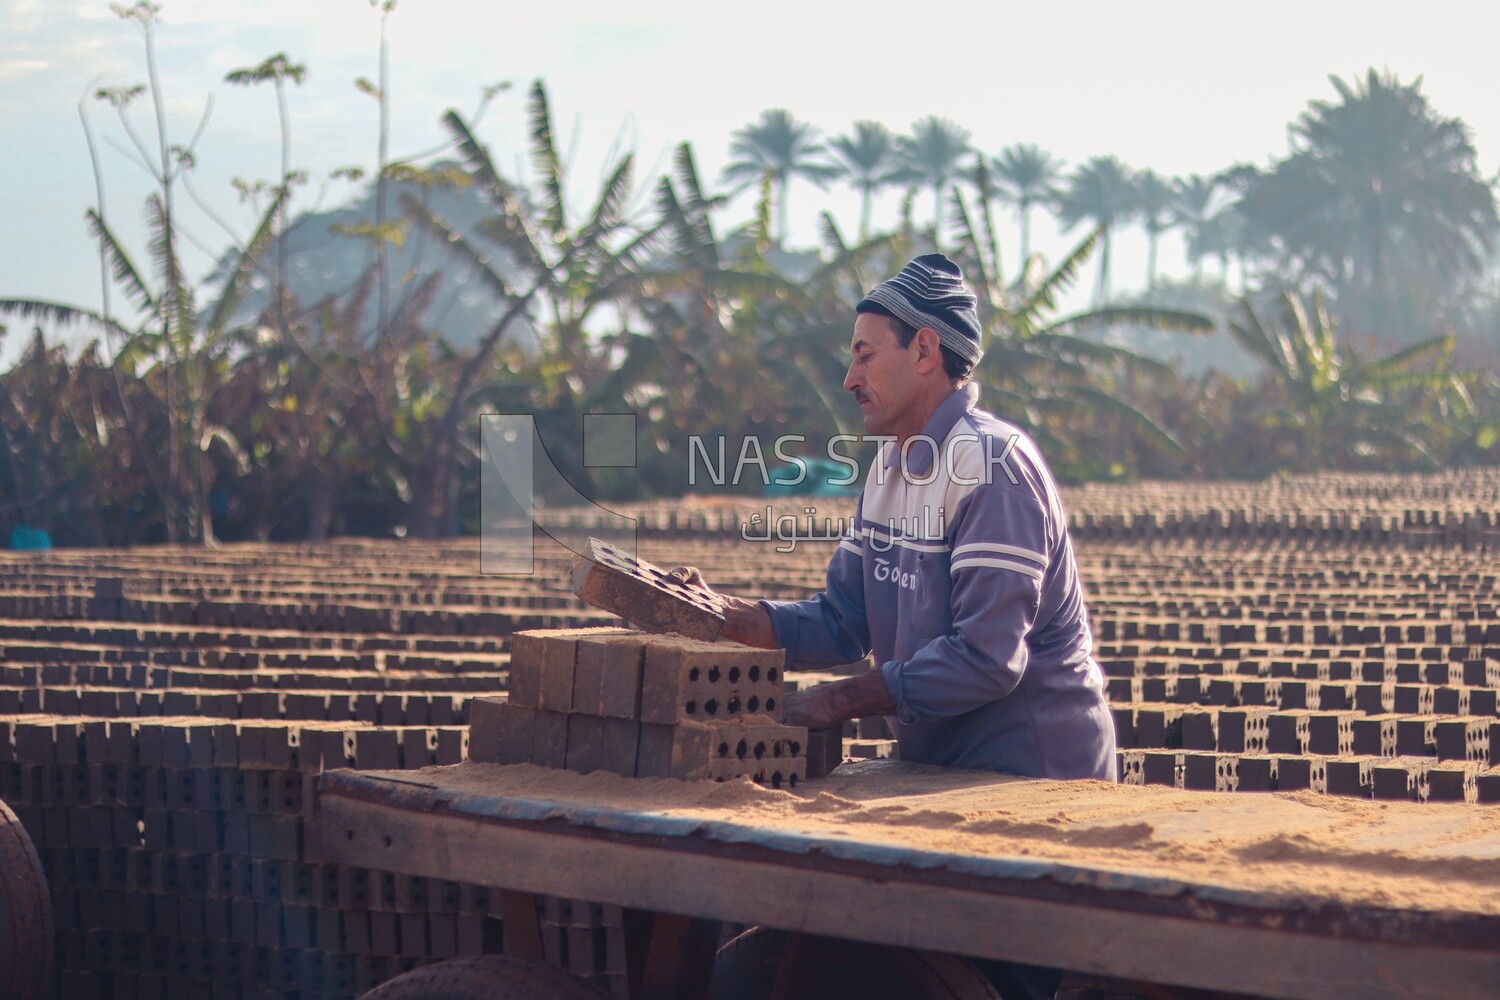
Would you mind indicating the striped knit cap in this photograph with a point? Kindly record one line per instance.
(930, 291)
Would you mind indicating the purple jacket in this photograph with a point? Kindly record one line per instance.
(960, 576)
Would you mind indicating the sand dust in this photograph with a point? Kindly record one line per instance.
(1432, 857)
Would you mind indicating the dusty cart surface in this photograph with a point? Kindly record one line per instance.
(1277, 895)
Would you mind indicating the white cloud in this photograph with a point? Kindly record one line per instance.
(12, 69)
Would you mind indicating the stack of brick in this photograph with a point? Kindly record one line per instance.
(183, 858)
(644, 706)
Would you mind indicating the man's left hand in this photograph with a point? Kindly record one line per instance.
(829, 704)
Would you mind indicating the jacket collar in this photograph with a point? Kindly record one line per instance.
(919, 455)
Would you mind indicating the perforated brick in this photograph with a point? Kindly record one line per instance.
(685, 679)
(641, 593)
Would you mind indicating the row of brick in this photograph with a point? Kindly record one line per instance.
(1399, 778)
(1267, 730)
(394, 708)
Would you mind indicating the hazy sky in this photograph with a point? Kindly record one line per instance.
(1180, 87)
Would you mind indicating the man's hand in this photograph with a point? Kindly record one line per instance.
(744, 621)
(829, 704)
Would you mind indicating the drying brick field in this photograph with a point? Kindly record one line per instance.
(165, 713)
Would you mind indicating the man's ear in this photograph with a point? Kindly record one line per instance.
(929, 350)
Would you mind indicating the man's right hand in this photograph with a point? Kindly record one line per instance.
(744, 621)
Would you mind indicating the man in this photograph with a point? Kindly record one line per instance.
(959, 573)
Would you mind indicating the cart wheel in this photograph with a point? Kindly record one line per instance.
(25, 915)
(833, 969)
(492, 977)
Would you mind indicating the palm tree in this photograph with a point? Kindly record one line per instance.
(1381, 198)
(1153, 205)
(1098, 193)
(1027, 176)
(780, 147)
(931, 157)
(1193, 207)
(867, 157)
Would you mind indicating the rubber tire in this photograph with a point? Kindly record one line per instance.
(26, 938)
(846, 970)
(491, 977)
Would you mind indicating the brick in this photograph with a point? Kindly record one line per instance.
(377, 750)
(1452, 782)
(1413, 699)
(621, 743)
(684, 679)
(1293, 773)
(1159, 726)
(452, 745)
(615, 581)
(1414, 737)
(1243, 730)
(527, 655)
(1461, 738)
(1255, 773)
(1400, 778)
(654, 751)
(785, 772)
(484, 731)
(682, 751)
(549, 739)
(1374, 735)
(757, 738)
(585, 751)
(418, 744)
(1331, 733)
(1375, 699)
(1200, 729)
(559, 658)
(1349, 775)
(621, 674)
(1162, 767)
(825, 751)
(1202, 771)
(516, 728)
(1286, 732)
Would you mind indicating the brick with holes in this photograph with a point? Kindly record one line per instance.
(685, 679)
(609, 578)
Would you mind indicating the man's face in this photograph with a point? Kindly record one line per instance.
(881, 374)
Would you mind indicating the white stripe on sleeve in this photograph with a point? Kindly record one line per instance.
(1021, 568)
(1008, 550)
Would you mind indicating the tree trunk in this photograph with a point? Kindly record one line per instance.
(427, 499)
(1025, 234)
(320, 517)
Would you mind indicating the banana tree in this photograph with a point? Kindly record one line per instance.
(549, 267)
(177, 355)
(1335, 409)
(720, 312)
(1047, 376)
